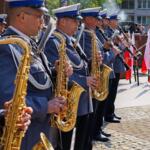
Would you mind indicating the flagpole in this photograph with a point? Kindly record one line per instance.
(149, 75)
(137, 72)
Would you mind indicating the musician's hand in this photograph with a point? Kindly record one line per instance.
(116, 50)
(99, 57)
(6, 106)
(56, 65)
(117, 39)
(92, 82)
(68, 68)
(24, 118)
(56, 105)
(126, 44)
(108, 45)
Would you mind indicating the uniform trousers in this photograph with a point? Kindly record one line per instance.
(98, 118)
(100, 108)
(82, 139)
(2, 120)
(110, 103)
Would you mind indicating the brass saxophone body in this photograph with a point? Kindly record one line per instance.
(43, 144)
(66, 119)
(12, 136)
(102, 72)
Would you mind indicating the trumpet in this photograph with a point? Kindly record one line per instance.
(137, 52)
(111, 45)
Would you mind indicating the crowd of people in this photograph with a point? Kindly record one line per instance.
(80, 52)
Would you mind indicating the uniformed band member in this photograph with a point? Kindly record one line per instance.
(25, 18)
(24, 121)
(67, 24)
(91, 18)
(119, 67)
(109, 57)
(2, 22)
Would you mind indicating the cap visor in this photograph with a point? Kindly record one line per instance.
(107, 18)
(44, 9)
(99, 17)
(79, 17)
(4, 22)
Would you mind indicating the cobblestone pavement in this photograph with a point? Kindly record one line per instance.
(133, 133)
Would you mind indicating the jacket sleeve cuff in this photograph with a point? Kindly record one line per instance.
(39, 106)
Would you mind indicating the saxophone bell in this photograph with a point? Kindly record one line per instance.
(102, 72)
(43, 144)
(66, 119)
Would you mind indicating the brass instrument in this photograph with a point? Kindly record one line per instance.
(66, 119)
(12, 136)
(127, 39)
(111, 43)
(102, 72)
(43, 144)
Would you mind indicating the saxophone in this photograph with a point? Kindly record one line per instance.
(102, 72)
(12, 136)
(43, 144)
(66, 119)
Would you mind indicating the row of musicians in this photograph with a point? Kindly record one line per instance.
(25, 20)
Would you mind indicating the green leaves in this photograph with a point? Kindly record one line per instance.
(52, 4)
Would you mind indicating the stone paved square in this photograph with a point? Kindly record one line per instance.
(133, 105)
(133, 133)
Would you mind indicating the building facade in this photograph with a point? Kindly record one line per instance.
(3, 6)
(138, 11)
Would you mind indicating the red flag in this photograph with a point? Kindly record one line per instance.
(144, 68)
(147, 51)
(129, 62)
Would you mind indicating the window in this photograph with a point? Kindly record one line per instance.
(124, 5)
(148, 3)
(139, 19)
(148, 20)
(143, 20)
(143, 4)
(131, 4)
(130, 18)
(127, 4)
(139, 4)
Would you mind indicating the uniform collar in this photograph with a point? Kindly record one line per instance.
(67, 37)
(13, 31)
(20, 33)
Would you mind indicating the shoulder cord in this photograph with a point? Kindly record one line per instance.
(17, 57)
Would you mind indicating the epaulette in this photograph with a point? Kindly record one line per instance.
(52, 37)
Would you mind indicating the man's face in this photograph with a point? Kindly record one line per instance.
(114, 23)
(100, 23)
(105, 21)
(71, 24)
(91, 21)
(2, 27)
(32, 21)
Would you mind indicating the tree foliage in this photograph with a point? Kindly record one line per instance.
(52, 4)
